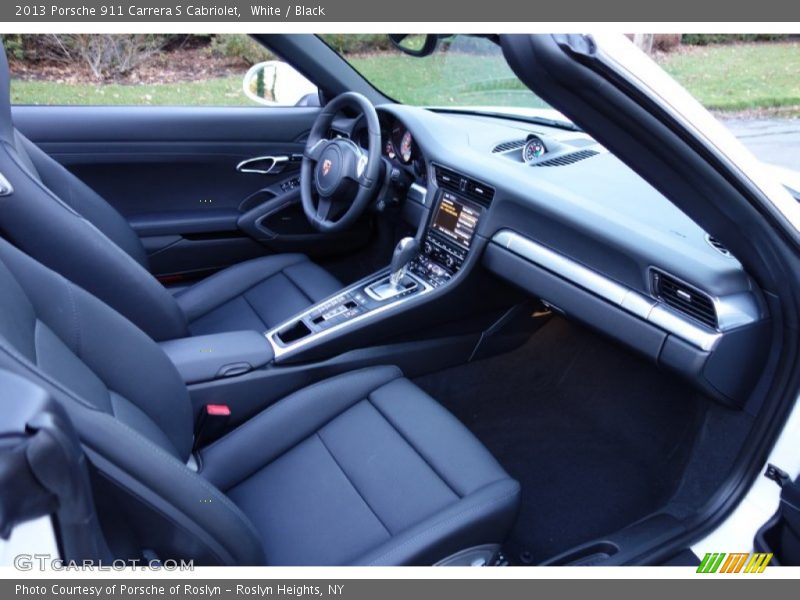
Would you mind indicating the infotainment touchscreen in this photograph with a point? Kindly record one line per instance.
(456, 219)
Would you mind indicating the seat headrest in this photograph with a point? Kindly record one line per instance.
(6, 126)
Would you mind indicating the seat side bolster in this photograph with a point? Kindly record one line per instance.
(73, 246)
(169, 487)
(83, 199)
(473, 520)
(269, 434)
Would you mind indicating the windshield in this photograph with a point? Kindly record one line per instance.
(463, 72)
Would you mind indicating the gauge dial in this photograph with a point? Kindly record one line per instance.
(405, 147)
(533, 149)
(389, 149)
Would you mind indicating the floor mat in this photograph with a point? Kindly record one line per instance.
(596, 436)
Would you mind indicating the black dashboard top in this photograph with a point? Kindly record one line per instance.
(565, 191)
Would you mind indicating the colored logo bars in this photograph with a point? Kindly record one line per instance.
(741, 562)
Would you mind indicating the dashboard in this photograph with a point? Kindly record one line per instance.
(554, 213)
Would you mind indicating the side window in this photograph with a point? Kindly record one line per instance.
(151, 70)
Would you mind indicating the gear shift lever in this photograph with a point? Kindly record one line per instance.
(404, 252)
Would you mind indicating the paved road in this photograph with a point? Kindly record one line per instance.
(774, 141)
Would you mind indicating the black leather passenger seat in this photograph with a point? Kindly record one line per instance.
(364, 468)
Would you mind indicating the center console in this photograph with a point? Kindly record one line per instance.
(418, 268)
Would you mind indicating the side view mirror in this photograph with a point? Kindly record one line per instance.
(415, 44)
(276, 83)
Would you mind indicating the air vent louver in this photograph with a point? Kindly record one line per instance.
(475, 190)
(685, 298)
(566, 159)
(508, 146)
(717, 245)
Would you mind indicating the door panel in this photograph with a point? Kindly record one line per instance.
(172, 172)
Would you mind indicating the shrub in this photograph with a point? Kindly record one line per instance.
(665, 42)
(241, 46)
(108, 56)
(15, 46)
(360, 43)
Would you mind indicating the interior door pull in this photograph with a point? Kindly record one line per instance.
(263, 165)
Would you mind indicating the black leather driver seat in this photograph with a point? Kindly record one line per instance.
(62, 223)
(363, 468)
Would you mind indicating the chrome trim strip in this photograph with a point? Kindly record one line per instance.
(417, 193)
(6, 189)
(733, 311)
(276, 161)
(280, 350)
(370, 289)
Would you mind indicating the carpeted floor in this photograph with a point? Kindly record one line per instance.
(597, 436)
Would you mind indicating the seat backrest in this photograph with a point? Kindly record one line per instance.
(132, 413)
(57, 219)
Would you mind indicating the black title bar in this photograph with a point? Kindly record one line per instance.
(250, 11)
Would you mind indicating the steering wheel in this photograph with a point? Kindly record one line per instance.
(337, 174)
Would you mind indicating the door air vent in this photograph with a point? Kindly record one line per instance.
(508, 146)
(717, 245)
(566, 159)
(471, 188)
(684, 298)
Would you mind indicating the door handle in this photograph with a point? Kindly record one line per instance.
(271, 164)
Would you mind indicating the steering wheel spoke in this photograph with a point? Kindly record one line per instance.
(360, 175)
(324, 208)
(315, 151)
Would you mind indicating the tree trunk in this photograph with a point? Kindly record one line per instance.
(644, 41)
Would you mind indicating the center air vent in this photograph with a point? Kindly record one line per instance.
(717, 245)
(685, 298)
(471, 188)
(565, 159)
(508, 146)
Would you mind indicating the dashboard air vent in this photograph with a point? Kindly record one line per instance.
(717, 245)
(448, 179)
(508, 146)
(471, 188)
(566, 159)
(685, 298)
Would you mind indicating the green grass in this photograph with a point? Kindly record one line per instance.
(225, 91)
(442, 80)
(740, 76)
(414, 81)
(723, 77)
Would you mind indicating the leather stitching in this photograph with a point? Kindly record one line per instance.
(353, 485)
(225, 299)
(75, 317)
(252, 421)
(412, 446)
(253, 308)
(296, 284)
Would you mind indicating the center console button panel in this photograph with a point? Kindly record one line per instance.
(354, 302)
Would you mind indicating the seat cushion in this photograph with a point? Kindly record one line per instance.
(255, 294)
(364, 468)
